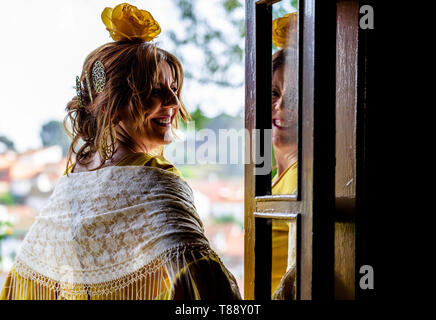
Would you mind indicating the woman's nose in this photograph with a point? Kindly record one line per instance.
(278, 104)
(170, 98)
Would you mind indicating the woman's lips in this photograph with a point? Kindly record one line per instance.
(163, 121)
(281, 124)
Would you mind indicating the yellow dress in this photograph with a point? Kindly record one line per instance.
(286, 183)
(193, 281)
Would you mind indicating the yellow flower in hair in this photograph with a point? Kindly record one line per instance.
(284, 31)
(128, 22)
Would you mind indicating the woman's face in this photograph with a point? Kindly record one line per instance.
(161, 109)
(284, 109)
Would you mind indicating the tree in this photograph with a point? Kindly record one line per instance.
(7, 198)
(200, 119)
(53, 133)
(220, 50)
(222, 47)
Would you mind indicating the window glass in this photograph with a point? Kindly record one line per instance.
(285, 97)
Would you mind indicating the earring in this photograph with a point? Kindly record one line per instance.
(107, 151)
(98, 76)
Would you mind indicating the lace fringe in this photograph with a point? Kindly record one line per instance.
(152, 281)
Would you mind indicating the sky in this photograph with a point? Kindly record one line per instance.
(45, 42)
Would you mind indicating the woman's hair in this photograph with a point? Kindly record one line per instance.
(285, 56)
(278, 59)
(131, 68)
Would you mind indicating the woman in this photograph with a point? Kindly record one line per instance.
(284, 121)
(284, 140)
(121, 223)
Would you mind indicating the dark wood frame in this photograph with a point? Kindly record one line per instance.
(336, 90)
(317, 76)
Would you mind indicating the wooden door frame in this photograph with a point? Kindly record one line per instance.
(317, 74)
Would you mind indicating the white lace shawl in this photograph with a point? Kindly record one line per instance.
(104, 230)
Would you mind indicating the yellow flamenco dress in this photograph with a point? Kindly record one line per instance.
(172, 262)
(286, 183)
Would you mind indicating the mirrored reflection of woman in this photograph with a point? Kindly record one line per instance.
(121, 223)
(284, 141)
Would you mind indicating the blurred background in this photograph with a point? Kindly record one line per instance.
(46, 42)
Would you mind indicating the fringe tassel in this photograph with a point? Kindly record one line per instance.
(141, 287)
(153, 281)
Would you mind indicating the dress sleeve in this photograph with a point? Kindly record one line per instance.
(205, 278)
(287, 287)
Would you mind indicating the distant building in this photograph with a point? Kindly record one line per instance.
(30, 178)
(226, 196)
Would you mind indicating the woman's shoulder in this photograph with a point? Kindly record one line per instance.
(286, 183)
(146, 159)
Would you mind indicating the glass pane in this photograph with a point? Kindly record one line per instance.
(283, 270)
(285, 97)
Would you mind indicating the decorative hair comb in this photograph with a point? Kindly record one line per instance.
(88, 85)
(79, 91)
(98, 76)
(98, 81)
(125, 21)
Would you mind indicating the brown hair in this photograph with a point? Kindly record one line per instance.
(278, 59)
(131, 68)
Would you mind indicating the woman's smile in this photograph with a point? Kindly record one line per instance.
(282, 124)
(164, 121)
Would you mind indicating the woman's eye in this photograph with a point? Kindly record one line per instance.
(275, 94)
(155, 92)
(174, 89)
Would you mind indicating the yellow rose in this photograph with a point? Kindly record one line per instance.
(285, 30)
(128, 22)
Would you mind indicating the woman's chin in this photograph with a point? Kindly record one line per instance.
(168, 137)
(280, 142)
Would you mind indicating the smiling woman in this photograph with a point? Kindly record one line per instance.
(136, 111)
(121, 223)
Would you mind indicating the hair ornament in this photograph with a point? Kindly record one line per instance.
(284, 30)
(88, 85)
(125, 21)
(98, 76)
(79, 91)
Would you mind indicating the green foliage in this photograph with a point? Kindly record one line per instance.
(227, 218)
(200, 119)
(7, 199)
(274, 164)
(231, 5)
(188, 172)
(4, 225)
(283, 7)
(53, 133)
(202, 35)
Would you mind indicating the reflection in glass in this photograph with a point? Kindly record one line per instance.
(285, 148)
(285, 105)
(284, 253)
